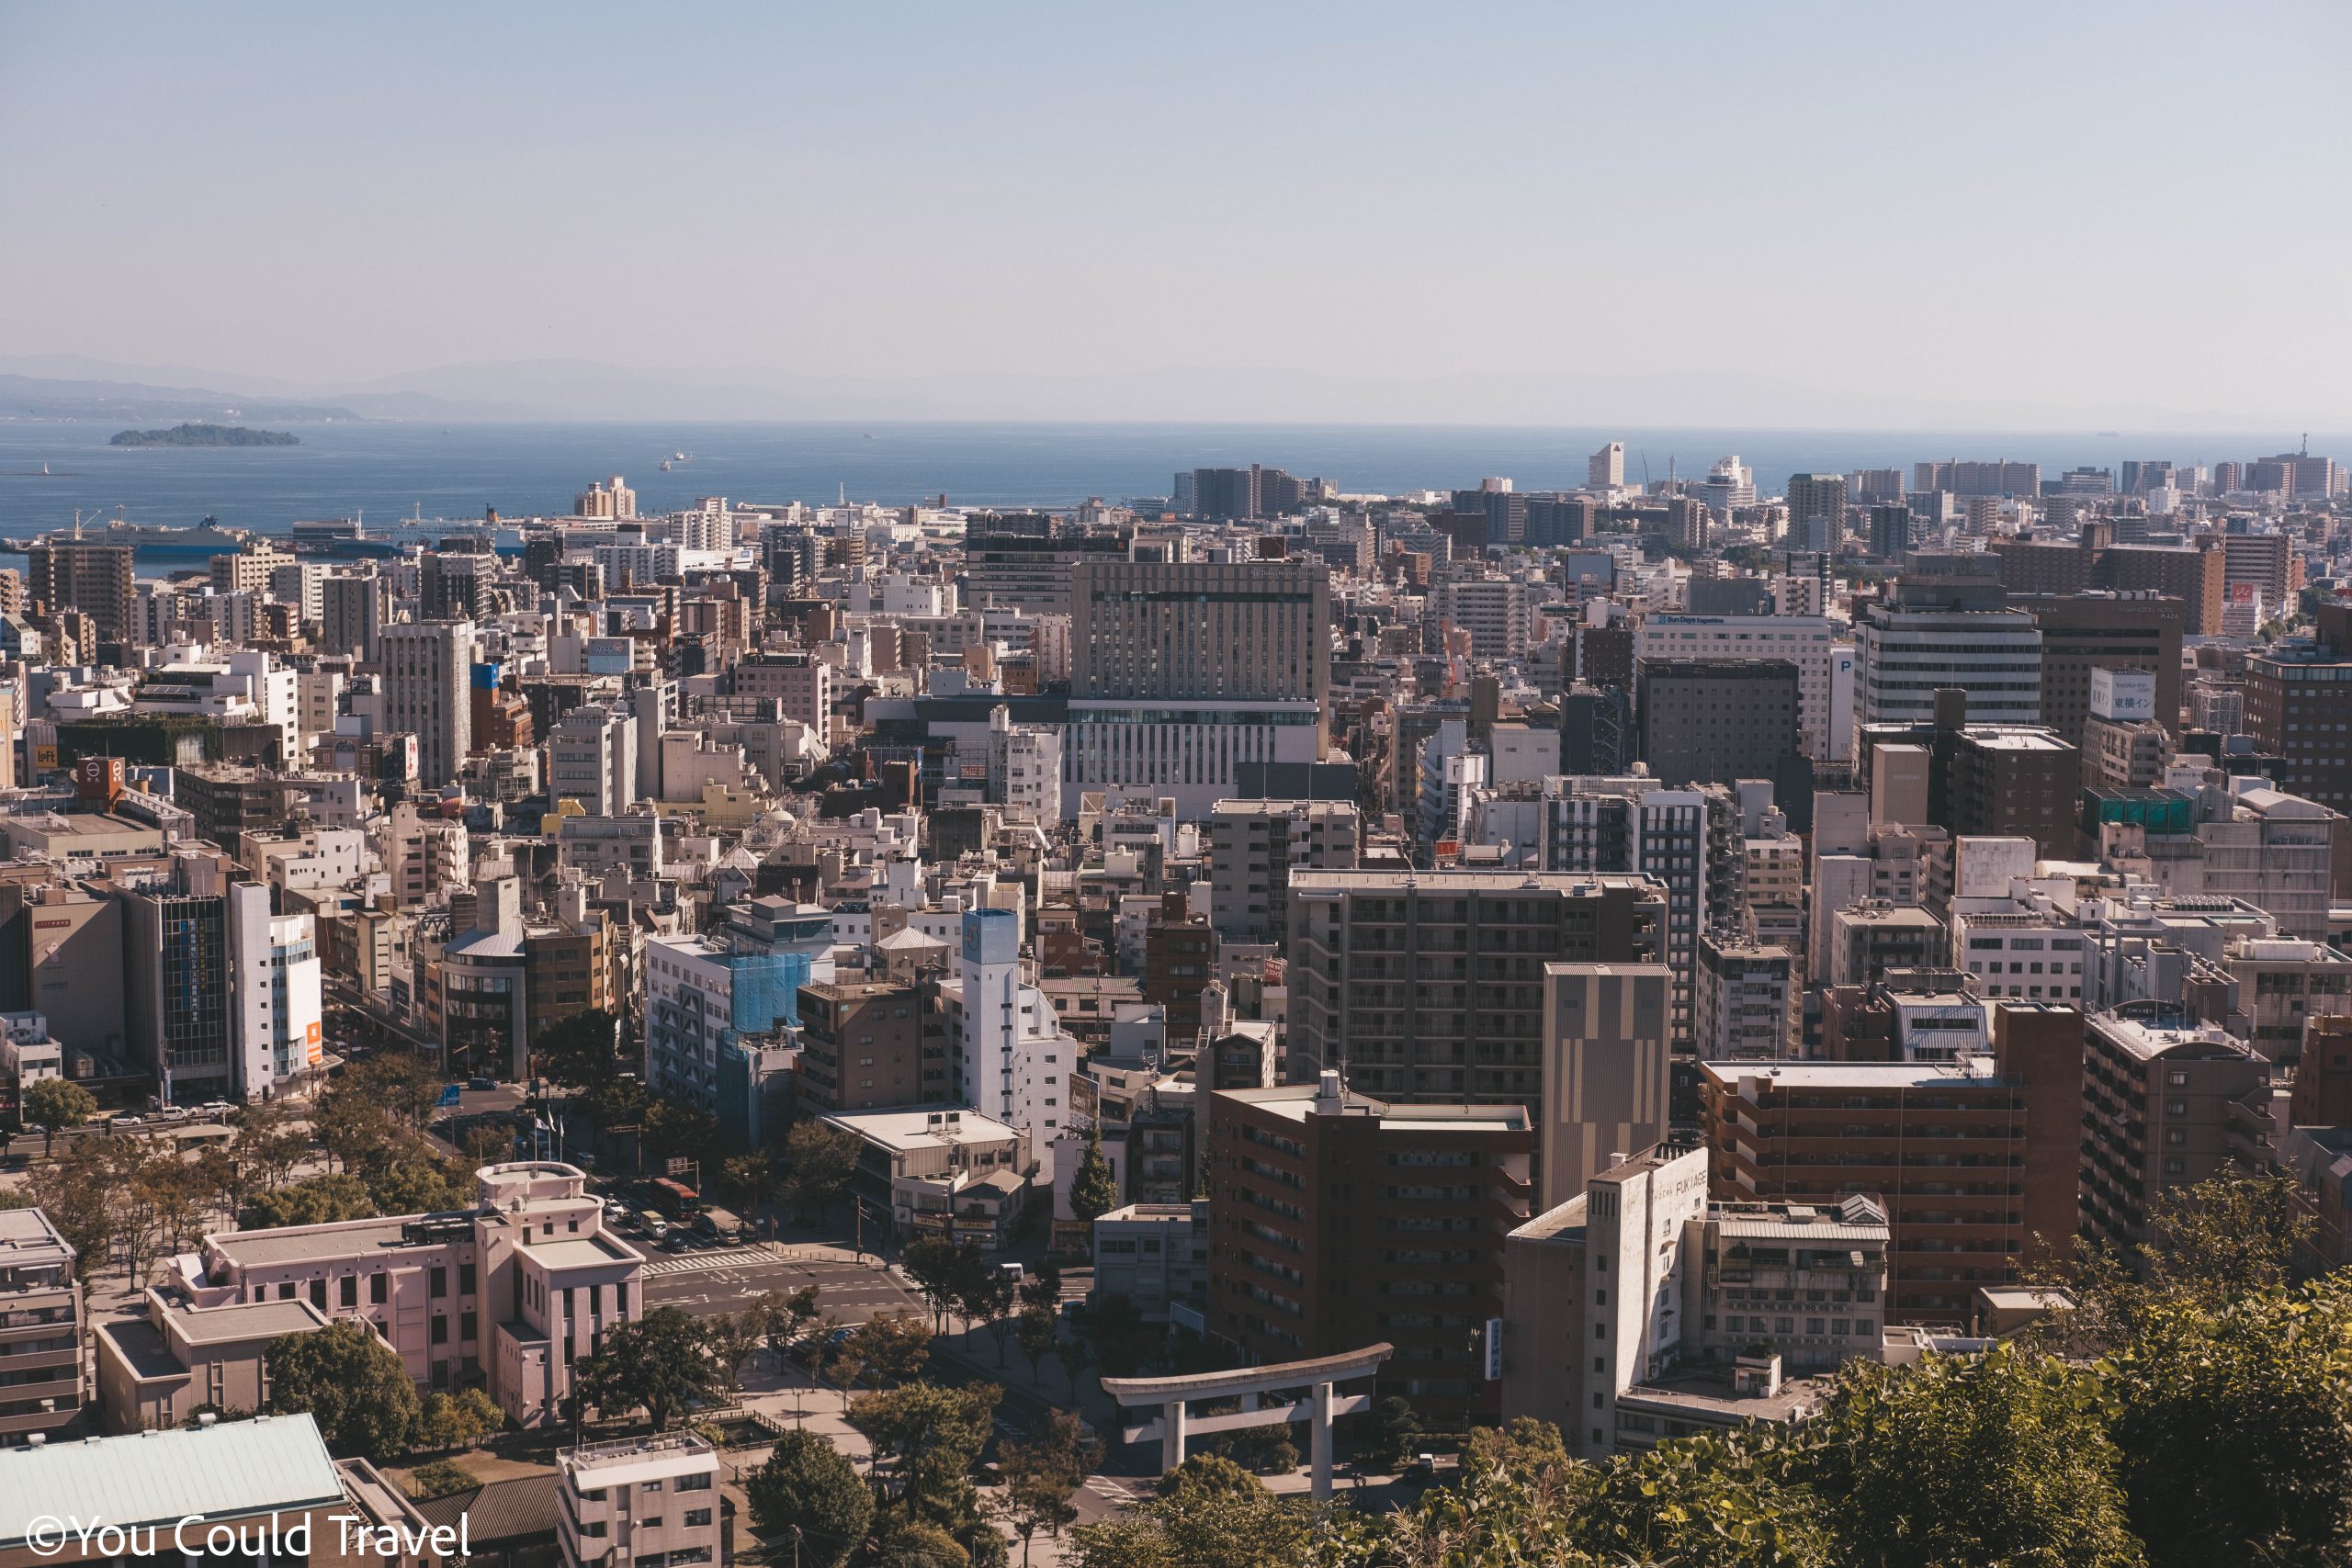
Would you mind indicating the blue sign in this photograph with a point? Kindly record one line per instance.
(449, 1092)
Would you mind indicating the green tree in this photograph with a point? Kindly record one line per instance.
(1400, 1430)
(2002, 1457)
(269, 1146)
(891, 1348)
(1207, 1475)
(1527, 1444)
(750, 1179)
(809, 1494)
(419, 1184)
(56, 1103)
(449, 1421)
(442, 1478)
(991, 1299)
(352, 1384)
(937, 1268)
(931, 1438)
(1037, 1333)
(820, 1159)
(674, 1129)
(1043, 1475)
(1043, 1288)
(1209, 1529)
(579, 1051)
(321, 1199)
(1093, 1191)
(77, 1194)
(733, 1338)
(659, 1362)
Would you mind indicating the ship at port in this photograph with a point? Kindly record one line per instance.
(208, 538)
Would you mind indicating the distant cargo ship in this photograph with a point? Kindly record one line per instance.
(207, 538)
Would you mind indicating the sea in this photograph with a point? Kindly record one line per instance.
(384, 471)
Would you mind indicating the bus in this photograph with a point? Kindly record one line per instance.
(720, 1225)
(674, 1199)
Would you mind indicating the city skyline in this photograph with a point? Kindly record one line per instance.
(1519, 216)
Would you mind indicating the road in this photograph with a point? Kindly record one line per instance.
(730, 1278)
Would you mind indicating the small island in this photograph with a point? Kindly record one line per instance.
(193, 435)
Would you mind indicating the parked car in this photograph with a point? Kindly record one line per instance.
(481, 1083)
(126, 1122)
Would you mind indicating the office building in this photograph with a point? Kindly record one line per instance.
(94, 578)
(1154, 1257)
(2084, 633)
(1715, 721)
(1495, 611)
(1408, 1254)
(1818, 1132)
(1891, 531)
(1429, 984)
(2298, 708)
(866, 1045)
(1816, 511)
(510, 1293)
(1984, 780)
(425, 670)
(1745, 998)
(1805, 641)
(1254, 845)
(2168, 1102)
(1939, 632)
(1607, 1083)
(1031, 573)
(1605, 469)
(800, 684)
(41, 1329)
(591, 758)
(2124, 747)
(351, 614)
(2194, 574)
(1185, 675)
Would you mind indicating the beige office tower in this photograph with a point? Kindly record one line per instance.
(426, 668)
(1605, 469)
(1606, 1078)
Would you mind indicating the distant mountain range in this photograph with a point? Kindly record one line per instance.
(73, 387)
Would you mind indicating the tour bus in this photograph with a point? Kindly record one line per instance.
(674, 1199)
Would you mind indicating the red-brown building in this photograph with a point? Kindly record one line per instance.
(1976, 1161)
(1339, 1221)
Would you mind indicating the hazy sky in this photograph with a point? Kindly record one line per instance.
(2071, 206)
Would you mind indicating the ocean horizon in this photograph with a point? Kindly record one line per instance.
(387, 470)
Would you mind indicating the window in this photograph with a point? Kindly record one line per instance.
(379, 1288)
(696, 1517)
(439, 1277)
(347, 1290)
(466, 1278)
(319, 1294)
(467, 1321)
(440, 1328)
(693, 1482)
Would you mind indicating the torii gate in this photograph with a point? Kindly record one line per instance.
(1174, 1423)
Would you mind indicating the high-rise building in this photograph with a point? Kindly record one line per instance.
(1187, 675)
(1816, 511)
(1817, 1131)
(2297, 708)
(1939, 632)
(2193, 574)
(1605, 469)
(1744, 1001)
(1429, 984)
(1730, 483)
(351, 614)
(1409, 1256)
(1890, 530)
(591, 758)
(2084, 632)
(94, 578)
(868, 1045)
(1010, 1055)
(1495, 611)
(1805, 641)
(425, 669)
(605, 499)
(1714, 721)
(2168, 1102)
(1254, 845)
(1608, 1078)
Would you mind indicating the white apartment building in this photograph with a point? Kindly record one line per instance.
(1026, 767)
(2018, 947)
(592, 758)
(1906, 651)
(1806, 641)
(1495, 611)
(425, 670)
(278, 994)
(649, 1502)
(1011, 1059)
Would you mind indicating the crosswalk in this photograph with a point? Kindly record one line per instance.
(1109, 1490)
(758, 1254)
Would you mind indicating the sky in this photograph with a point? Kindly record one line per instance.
(2066, 215)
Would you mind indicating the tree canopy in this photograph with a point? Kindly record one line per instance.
(352, 1384)
(809, 1494)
